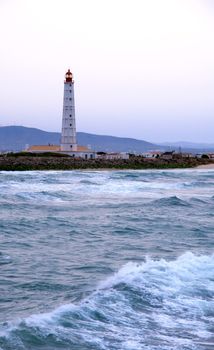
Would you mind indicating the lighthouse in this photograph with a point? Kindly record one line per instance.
(68, 143)
(68, 136)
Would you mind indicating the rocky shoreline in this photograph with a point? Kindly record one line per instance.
(19, 162)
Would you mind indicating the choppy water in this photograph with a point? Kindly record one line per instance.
(107, 260)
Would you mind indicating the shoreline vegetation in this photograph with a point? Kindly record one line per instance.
(53, 161)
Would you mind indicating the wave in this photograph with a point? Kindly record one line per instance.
(88, 182)
(56, 185)
(154, 305)
(130, 175)
(196, 200)
(5, 259)
(199, 184)
(42, 196)
(171, 201)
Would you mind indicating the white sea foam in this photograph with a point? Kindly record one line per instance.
(187, 267)
(47, 186)
(167, 291)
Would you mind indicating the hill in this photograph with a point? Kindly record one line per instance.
(189, 145)
(15, 138)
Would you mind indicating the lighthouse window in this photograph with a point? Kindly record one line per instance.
(70, 115)
(70, 98)
(70, 91)
(70, 124)
(70, 84)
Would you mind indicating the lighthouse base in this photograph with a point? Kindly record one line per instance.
(81, 151)
(67, 147)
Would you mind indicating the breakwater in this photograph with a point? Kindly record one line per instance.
(12, 162)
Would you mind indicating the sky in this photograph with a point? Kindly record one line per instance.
(142, 68)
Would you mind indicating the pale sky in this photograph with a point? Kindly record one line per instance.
(142, 68)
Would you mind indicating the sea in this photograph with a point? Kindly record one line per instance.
(107, 260)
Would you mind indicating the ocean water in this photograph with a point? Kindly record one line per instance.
(118, 260)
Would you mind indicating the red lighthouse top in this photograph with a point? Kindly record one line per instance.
(68, 77)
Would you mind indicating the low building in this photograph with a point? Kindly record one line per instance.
(81, 151)
(113, 155)
(167, 155)
(152, 155)
(43, 148)
(187, 155)
(205, 155)
(183, 155)
(211, 155)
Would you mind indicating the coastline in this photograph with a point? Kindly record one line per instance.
(206, 166)
(19, 162)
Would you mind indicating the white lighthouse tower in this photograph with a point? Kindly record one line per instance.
(68, 143)
(68, 136)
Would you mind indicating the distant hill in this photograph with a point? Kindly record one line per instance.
(113, 143)
(15, 138)
(185, 144)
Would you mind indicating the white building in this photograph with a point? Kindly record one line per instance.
(113, 155)
(151, 154)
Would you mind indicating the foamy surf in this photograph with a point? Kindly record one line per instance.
(157, 304)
